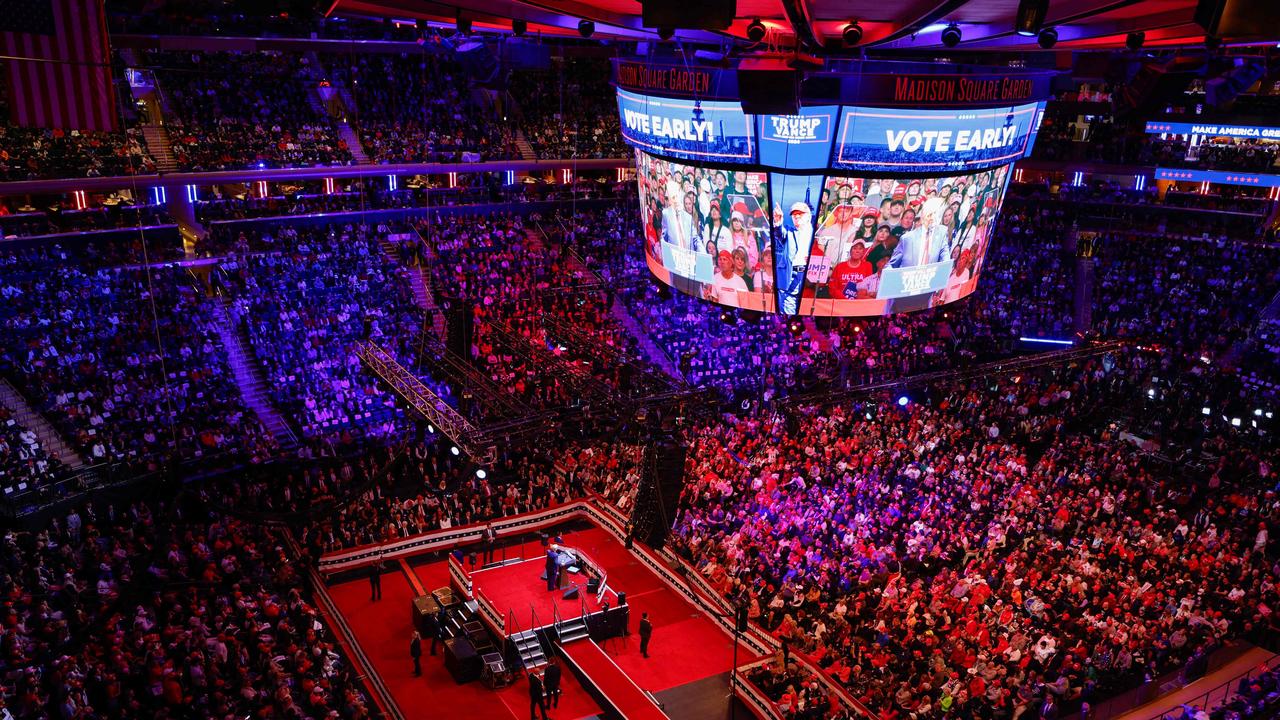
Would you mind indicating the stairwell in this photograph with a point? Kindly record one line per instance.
(650, 349)
(420, 285)
(160, 147)
(28, 417)
(522, 144)
(249, 378)
(352, 138)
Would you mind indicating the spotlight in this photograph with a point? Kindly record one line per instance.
(464, 24)
(727, 317)
(586, 28)
(454, 449)
(797, 327)
(482, 474)
(1134, 40)
(1048, 38)
(852, 33)
(902, 401)
(756, 30)
(951, 35)
(519, 27)
(1030, 17)
(431, 429)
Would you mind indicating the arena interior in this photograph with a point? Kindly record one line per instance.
(639, 359)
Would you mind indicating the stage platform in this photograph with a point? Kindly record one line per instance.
(517, 586)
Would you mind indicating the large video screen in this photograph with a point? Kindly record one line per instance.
(904, 140)
(706, 233)
(816, 244)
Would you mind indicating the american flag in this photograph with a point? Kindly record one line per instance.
(57, 64)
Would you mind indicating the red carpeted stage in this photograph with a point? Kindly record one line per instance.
(518, 588)
(607, 679)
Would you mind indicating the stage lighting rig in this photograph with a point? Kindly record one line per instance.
(852, 34)
(1047, 38)
(951, 35)
(756, 31)
(1030, 17)
(586, 28)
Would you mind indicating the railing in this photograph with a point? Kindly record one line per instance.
(1223, 692)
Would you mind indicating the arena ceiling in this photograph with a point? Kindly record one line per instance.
(904, 25)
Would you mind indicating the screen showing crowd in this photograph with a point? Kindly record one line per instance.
(815, 245)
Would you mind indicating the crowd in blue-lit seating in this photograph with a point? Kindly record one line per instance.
(305, 306)
(126, 361)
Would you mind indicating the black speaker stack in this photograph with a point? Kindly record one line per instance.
(661, 484)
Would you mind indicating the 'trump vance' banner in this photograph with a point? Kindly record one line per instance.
(907, 140)
(1214, 130)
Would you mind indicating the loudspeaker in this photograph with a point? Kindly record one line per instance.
(593, 585)
(658, 497)
(460, 327)
(622, 598)
(1239, 19)
(774, 91)
(677, 14)
(571, 593)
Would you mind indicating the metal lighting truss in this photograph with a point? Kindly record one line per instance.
(420, 398)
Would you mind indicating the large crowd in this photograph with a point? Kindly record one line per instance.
(246, 110)
(162, 609)
(569, 111)
(125, 361)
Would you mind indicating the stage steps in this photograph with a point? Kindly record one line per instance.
(574, 629)
(530, 649)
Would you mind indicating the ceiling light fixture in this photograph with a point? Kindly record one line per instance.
(852, 33)
(951, 35)
(1030, 17)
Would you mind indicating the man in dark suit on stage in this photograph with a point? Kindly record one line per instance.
(375, 579)
(537, 700)
(646, 632)
(415, 652)
(551, 681)
(553, 569)
(488, 540)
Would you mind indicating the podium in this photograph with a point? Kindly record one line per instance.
(423, 614)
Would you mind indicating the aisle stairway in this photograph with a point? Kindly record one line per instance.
(352, 138)
(522, 144)
(650, 349)
(27, 416)
(159, 145)
(420, 284)
(249, 377)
